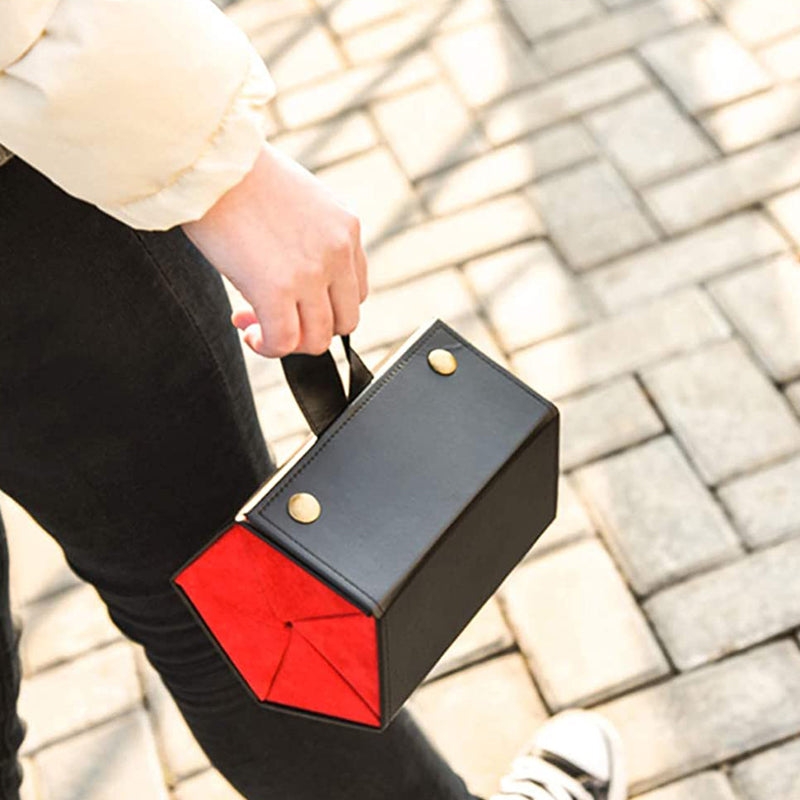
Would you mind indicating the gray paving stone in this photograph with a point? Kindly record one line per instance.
(571, 523)
(330, 141)
(505, 63)
(621, 30)
(731, 608)
(37, 567)
(528, 295)
(506, 168)
(764, 304)
(676, 323)
(591, 214)
(578, 626)
(428, 129)
(656, 536)
(710, 715)
(648, 137)
(29, 790)
(765, 505)
(485, 635)
(754, 119)
(727, 414)
(547, 16)
(727, 185)
(563, 98)
(770, 774)
(117, 759)
(733, 242)
(783, 58)
(209, 785)
(758, 21)
(592, 425)
(415, 27)
(704, 786)
(480, 718)
(786, 210)
(80, 693)
(286, 447)
(347, 15)
(381, 212)
(298, 51)
(353, 88)
(278, 412)
(253, 14)
(443, 294)
(181, 753)
(64, 626)
(453, 239)
(793, 395)
(705, 66)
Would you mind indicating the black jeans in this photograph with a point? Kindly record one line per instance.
(128, 431)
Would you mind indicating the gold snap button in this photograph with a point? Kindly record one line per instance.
(304, 507)
(442, 361)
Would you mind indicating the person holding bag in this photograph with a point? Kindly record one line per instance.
(134, 172)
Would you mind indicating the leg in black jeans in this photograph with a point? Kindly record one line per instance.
(128, 431)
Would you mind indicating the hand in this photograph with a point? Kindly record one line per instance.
(293, 252)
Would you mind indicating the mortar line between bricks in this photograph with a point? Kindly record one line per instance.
(706, 570)
(501, 602)
(150, 714)
(393, 284)
(674, 28)
(705, 347)
(473, 662)
(601, 537)
(562, 30)
(753, 205)
(70, 659)
(703, 282)
(65, 737)
(779, 226)
(740, 334)
(365, 26)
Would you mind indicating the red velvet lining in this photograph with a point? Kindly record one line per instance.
(293, 639)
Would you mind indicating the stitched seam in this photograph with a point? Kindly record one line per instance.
(199, 335)
(385, 381)
(358, 589)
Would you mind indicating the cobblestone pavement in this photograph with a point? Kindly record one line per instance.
(601, 194)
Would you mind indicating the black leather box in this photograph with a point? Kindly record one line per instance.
(429, 488)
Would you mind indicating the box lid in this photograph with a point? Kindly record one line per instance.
(399, 465)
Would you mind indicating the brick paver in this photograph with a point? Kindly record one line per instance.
(603, 195)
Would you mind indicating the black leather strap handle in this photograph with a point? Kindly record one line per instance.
(317, 387)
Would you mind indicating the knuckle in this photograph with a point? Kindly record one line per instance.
(354, 227)
(317, 346)
(349, 324)
(281, 343)
(341, 244)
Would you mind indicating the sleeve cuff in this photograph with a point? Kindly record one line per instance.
(228, 156)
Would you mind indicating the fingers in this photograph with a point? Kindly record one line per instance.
(313, 301)
(276, 329)
(361, 274)
(343, 296)
(243, 317)
(316, 322)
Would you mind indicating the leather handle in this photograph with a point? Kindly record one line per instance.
(317, 387)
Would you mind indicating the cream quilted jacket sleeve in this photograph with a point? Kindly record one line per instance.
(149, 109)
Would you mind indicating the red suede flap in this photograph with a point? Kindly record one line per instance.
(293, 639)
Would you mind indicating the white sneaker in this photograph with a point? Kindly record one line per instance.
(576, 755)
